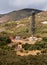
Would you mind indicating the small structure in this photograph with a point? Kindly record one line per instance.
(32, 38)
(18, 37)
(45, 22)
(19, 47)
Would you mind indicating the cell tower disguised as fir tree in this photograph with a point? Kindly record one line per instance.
(32, 23)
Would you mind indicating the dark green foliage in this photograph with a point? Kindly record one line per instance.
(2, 43)
(36, 46)
(10, 58)
(45, 39)
(26, 46)
(5, 40)
(40, 44)
(6, 48)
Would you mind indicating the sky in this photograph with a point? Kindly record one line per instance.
(11, 5)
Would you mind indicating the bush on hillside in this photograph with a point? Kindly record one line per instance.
(26, 46)
(45, 39)
(4, 41)
(36, 46)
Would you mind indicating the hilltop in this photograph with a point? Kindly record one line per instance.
(17, 15)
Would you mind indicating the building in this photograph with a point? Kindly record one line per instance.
(18, 37)
(45, 22)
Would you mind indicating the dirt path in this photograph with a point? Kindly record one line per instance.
(23, 41)
(33, 52)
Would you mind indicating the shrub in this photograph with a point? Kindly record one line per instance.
(36, 46)
(44, 38)
(2, 43)
(26, 46)
(7, 40)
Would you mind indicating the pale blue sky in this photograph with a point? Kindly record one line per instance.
(11, 5)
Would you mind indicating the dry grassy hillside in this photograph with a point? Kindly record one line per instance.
(18, 23)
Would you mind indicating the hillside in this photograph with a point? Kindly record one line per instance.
(17, 15)
(18, 23)
(23, 51)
